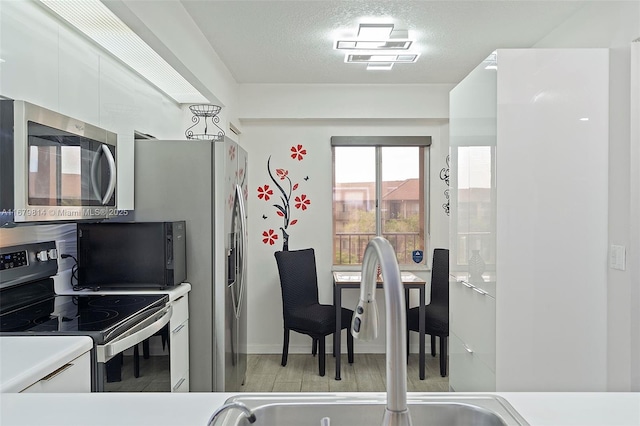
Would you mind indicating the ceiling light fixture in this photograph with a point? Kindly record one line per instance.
(374, 45)
(374, 31)
(376, 37)
(97, 22)
(379, 66)
(379, 57)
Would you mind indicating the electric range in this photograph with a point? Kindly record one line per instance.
(30, 306)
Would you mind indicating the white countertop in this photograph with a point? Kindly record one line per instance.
(26, 359)
(178, 409)
(173, 292)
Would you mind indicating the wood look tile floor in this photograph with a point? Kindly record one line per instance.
(366, 374)
(154, 376)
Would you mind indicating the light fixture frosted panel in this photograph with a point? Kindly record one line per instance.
(374, 45)
(98, 23)
(379, 66)
(351, 58)
(346, 44)
(374, 31)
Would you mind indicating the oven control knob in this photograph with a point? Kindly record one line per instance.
(42, 256)
(53, 254)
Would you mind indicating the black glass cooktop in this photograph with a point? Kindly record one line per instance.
(93, 315)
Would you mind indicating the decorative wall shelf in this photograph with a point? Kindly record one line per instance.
(204, 111)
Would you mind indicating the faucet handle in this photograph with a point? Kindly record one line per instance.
(364, 325)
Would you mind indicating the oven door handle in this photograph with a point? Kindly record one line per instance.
(138, 333)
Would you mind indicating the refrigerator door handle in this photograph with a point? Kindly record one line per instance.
(241, 250)
(231, 264)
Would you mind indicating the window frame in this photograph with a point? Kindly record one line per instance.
(379, 142)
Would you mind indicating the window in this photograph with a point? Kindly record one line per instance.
(379, 188)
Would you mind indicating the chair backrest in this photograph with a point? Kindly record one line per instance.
(298, 278)
(440, 277)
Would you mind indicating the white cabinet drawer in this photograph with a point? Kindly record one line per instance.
(180, 356)
(467, 372)
(473, 320)
(73, 377)
(180, 310)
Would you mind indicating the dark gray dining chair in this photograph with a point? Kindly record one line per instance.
(301, 309)
(436, 313)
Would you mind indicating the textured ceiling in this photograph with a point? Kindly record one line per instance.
(292, 41)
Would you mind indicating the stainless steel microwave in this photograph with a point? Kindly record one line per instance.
(54, 167)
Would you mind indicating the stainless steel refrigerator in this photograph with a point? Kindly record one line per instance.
(205, 184)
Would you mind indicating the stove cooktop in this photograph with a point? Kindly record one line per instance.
(30, 306)
(95, 316)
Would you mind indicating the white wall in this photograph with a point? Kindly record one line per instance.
(614, 25)
(185, 48)
(343, 101)
(275, 118)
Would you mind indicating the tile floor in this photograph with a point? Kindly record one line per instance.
(366, 374)
(265, 374)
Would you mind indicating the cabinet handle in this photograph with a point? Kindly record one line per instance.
(467, 348)
(180, 382)
(178, 328)
(482, 292)
(56, 372)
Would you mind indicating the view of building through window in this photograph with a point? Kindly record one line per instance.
(400, 212)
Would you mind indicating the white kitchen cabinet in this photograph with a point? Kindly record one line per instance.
(179, 343)
(529, 154)
(72, 377)
(45, 364)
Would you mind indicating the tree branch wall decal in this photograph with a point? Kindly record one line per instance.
(283, 192)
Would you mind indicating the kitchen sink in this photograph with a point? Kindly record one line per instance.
(367, 409)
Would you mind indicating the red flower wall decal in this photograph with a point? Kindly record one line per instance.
(232, 152)
(298, 152)
(302, 202)
(270, 237)
(282, 194)
(264, 192)
(282, 173)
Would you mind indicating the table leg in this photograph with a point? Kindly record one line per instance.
(421, 315)
(337, 298)
(406, 309)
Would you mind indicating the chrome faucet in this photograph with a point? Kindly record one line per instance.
(365, 324)
(251, 418)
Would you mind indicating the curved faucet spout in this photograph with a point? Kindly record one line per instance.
(365, 324)
(251, 417)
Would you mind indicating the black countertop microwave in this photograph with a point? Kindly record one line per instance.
(54, 167)
(131, 255)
